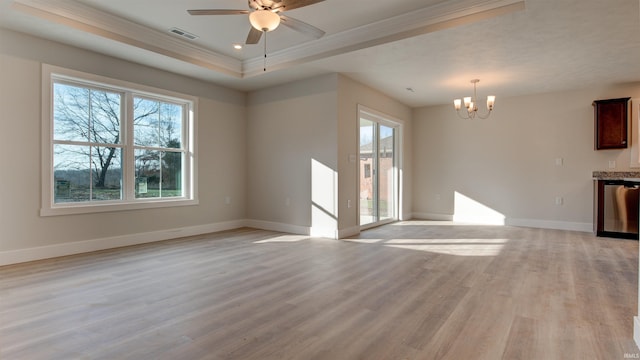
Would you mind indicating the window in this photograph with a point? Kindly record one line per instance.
(87, 150)
(158, 148)
(114, 145)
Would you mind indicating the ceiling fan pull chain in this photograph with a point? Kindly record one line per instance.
(265, 52)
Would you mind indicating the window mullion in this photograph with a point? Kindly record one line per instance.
(89, 138)
(184, 147)
(128, 153)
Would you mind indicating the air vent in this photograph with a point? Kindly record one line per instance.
(184, 34)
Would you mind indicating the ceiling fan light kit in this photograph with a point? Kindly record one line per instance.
(264, 20)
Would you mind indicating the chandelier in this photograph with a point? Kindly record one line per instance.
(471, 104)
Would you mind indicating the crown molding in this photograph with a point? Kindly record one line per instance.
(103, 24)
(426, 20)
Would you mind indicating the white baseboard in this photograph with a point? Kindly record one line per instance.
(44, 252)
(352, 231)
(433, 216)
(77, 247)
(302, 230)
(549, 224)
(406, 216)
(280, 227)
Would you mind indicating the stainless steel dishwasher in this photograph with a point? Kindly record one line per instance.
(620, 208)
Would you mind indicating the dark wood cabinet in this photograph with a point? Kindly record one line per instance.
(611, 123)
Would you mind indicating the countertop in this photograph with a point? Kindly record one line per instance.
(616, 175)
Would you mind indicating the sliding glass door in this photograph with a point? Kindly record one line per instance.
(378, 169)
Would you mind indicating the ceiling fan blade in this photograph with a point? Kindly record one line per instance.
(301, 26)
(216, 12)
(254, 36)
(294, 4)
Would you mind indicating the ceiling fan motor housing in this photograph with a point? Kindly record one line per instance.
(264, 5)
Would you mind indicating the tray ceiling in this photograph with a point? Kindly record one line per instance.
(433, 47)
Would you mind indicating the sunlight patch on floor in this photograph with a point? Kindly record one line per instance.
(440, 223)
(458, 247)
(282, 239)
(365, 241)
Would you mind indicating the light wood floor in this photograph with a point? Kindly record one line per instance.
(412, 290)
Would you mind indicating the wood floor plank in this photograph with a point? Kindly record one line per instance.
(409, 290)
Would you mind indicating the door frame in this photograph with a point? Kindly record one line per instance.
(389, 121)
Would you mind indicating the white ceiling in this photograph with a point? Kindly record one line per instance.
(435, 47)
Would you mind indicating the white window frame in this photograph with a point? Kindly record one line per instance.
(50, 74)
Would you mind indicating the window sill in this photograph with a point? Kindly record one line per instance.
(74, 209)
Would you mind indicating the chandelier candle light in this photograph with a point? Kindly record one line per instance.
(472, 105)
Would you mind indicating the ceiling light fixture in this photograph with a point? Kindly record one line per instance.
(265, 21)
(472, 105)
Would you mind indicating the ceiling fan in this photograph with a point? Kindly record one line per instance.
(266, 15)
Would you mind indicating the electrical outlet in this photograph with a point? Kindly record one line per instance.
(559, 200)
(612, 164)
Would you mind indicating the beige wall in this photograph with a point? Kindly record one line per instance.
(221, 150)
(294, 125)
(289, 127)
(508, 162)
